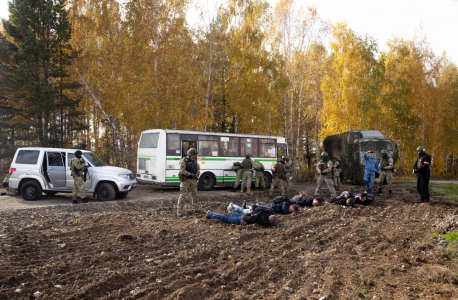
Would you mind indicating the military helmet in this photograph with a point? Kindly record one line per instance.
(287, 158)
(78, 153)
(384, 152)
(248, 155)
(421, 148)
(192, 152)
(336, 156)
(279, 159)
(324, 154)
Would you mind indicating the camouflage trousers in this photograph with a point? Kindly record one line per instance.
(259, 179)
(246, 180)
(337, 181)
(279, 182)
(78, 188)
(389, 178)
(288, 180)
(329, 183)
(238, 176)
(186, 187)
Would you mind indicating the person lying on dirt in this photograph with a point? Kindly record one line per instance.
(345, 198)
(363, 198)
(306, 200)
(260, 216)
(284, 207)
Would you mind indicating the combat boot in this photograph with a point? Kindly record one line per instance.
(256, 189)
(390, 193)
(75, 202)
(84, 201)
(243, 205)
(198, 211)
(380, 191)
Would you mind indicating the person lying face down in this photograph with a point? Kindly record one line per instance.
(345, 198)
(364, 198)
(306, 200)
(284, 207)
(262, 217)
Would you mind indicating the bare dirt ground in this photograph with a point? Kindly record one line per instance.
(136, 248)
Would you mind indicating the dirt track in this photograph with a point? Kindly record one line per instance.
(139, 249)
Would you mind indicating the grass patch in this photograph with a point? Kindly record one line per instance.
(414, 185)
(449, 190)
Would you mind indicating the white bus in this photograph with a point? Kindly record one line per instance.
(160, 152)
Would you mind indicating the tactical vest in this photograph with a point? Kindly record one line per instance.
(247, 164)
(324, 167)
(279, 170)
(191, 167)
(288, 166)
(420, 163)
(384, 163)
(236, 166)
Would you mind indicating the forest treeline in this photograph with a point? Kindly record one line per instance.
(100, 72)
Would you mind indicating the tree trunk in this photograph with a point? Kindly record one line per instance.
(298, 126)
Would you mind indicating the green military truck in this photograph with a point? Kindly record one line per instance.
(350, 146)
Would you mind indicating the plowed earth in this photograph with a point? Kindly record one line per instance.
(141, 250)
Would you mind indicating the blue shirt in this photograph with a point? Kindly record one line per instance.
(371, 164)
(369, 199)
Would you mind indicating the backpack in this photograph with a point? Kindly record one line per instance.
(258, 166)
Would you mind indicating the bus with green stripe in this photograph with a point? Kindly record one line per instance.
(160, 152)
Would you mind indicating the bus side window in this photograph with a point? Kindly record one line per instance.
(208, 146)
(267, 148)
(249, 145)
(229, 146)
(173, 144)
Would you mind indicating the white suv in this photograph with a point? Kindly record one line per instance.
(37, 170)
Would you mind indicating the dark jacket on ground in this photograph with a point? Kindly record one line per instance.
(339, 200)
(282, 207)
(306, 200)
(261, 218)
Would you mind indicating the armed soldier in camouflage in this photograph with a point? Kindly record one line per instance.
(247, 165)
(324, 168)
(278, 173)
(289, 164)
(237, 167)
(77, 172)
(188, 174)
(259, 176)
(337, 171)
(386, 167)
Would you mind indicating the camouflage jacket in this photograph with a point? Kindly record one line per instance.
(77, 164)
(289, 166)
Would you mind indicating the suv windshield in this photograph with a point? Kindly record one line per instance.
(94, 160)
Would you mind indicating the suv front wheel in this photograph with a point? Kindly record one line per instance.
(31, 190)
(106, 192)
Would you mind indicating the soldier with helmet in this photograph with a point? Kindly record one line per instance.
(259, 175)
(423, 168)
(386, 167)
(324, 168)
(188, 174)
(77, 169)
(247, 166)
(337, 171)
(289, 165)
(278, 173)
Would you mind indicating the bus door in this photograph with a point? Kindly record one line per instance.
(281, 150)
(188, 141)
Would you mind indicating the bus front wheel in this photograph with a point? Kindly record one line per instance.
(207, 182)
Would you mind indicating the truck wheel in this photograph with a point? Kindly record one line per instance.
(267, 179)
(50, 193)
(206, 182)
(31, 190)
(106, 192)
(121, 195)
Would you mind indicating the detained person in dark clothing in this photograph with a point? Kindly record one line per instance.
(281, 204)
(262, 217)
(345, 199)
(306, 200)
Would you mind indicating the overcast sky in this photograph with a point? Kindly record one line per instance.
(384, 19)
